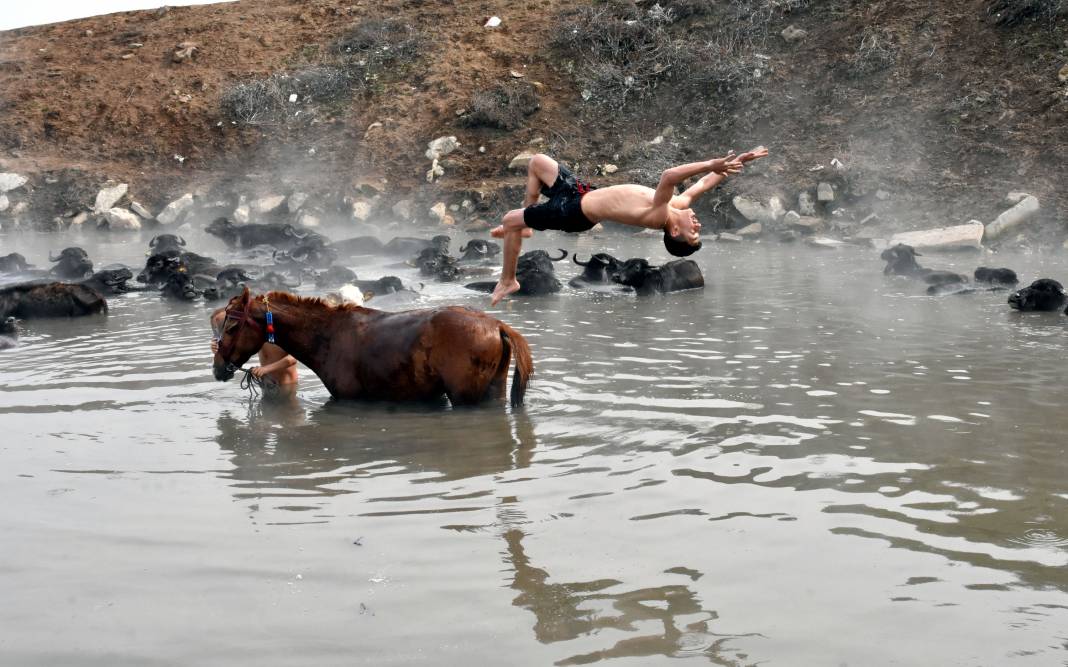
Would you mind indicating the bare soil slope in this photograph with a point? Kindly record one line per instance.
(944, 106)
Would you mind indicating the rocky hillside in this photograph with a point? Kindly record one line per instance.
(923, 114)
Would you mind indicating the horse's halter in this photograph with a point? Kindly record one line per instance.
(244, 317)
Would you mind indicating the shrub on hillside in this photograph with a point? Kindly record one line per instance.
(1011, 12)
(503, 107)
(356, 63)
(621, 52)
(877, 50)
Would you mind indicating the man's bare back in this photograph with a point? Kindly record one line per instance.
(628, 204)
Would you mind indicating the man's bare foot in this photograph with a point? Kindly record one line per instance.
(502, 290)
(498, 232)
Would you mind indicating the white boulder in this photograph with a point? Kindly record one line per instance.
(520, 162)
(361, 210)
(5, 203)
(295, 201)
(824, 192)
(754, 211)
(108, 197)
(175, 210)
(1015, 216)
(805, 204)
(440, 147)
(242, 214)
(121, 220)
(966, 236)
(141, 210)
(10, 181)
(403, 209)
(266, 204)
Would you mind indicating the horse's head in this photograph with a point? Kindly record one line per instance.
(239, 332)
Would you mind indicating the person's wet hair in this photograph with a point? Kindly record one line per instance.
(678, 247)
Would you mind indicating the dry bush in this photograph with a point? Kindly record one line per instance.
(878, 50)
(374, 46)
(503, 107)
(356, 63)
(1011, 12)
(621, 53)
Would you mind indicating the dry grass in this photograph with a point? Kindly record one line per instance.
(357, 63)
(503, 107)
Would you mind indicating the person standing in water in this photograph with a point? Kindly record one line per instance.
(575, 206)
(275, 363)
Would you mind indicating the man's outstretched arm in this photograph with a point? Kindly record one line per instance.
(665, 190)
(709, 181)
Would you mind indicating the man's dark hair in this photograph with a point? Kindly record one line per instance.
(678, 247)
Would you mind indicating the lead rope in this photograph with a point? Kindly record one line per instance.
(268, 386)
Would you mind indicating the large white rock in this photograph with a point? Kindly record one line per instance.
(266, 204)
(805, 204)
(361, 210)
(5, 203)
(753, 230)
(959, 237)
(242, 214)
(306, 219)
(121, 220)
(108, 197)
(754, 211)
(175, 210)
(520, 162)
(403, 209)
(1015, 216)
(295, 201)
(440, 147)
(10, 181)
(825, 192)
(438, 211)
(141, 210)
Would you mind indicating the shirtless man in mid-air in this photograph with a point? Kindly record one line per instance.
(575, 206)
(275, 363)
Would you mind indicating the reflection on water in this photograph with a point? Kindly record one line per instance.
(804, 463)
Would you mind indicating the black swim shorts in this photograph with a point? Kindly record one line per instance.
(563, 211)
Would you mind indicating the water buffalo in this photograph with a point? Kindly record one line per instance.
(901, 261)
(996, 277)
(380, 286)
(601, 269)
(180, 287)
(13, 263)
(539, 259)
(410, 246)
(356, 246)
(282, 236)
(110, 281)
(165, 242)
(334, 276)
(315, 252)
(478, 249)
(9, 334)
(535, 274)
(72, 264)
(160, 266)
(436, 263)
(1044, 294)
(680, 274)
(33, 300)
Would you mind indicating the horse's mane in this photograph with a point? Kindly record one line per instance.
(294, 300)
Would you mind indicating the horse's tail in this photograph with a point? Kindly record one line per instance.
(514, 342)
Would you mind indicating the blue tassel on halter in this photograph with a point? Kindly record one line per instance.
(270, 327)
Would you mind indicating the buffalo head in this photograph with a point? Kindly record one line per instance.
(1044, 294)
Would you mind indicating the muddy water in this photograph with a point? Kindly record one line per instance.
(802, 464)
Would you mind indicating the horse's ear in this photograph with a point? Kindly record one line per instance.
(246, 296)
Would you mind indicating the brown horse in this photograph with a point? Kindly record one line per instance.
(361, 353)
